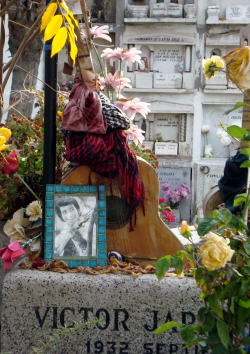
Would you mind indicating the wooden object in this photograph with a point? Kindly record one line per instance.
(151, 238)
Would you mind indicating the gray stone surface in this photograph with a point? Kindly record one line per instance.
(4, 240)
(36, 303)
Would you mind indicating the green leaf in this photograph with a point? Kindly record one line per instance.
(202, 314)
(212, 300)
(246, 137)
(231, 289)
(237, 106)
(237, 132)
(177, 264)
(162, 266)
(186, 332)
(237, 223)
(166, 327)
(245, 151)
(224, 215)
(245, 163)
(223, 332)
(213, 339)
(246, 341)
(246, 246)
(206, 225)
(239, 199)
(245, 304)
(219, 349)
(209, 323)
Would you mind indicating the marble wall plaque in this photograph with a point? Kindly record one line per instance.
(167, 126)
(174, 177)
(235, 13)
(166, 149)
(174, 10)
(159, 10)
(144, 80)
(160, 80)
(167, 58)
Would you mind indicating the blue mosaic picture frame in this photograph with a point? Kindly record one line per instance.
(72, 243)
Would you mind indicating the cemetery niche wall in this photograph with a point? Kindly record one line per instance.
(166, 61)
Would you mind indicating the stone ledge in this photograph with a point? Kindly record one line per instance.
(35, 303)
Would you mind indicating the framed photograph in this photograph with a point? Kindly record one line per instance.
(75, 225)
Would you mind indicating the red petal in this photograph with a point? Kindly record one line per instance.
(13, 164)
(14, 246)
(7, 264)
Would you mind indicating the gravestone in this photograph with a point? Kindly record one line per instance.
(174, 177)
(167, 127)
(235, 13)
(36, 303)
(167, 58)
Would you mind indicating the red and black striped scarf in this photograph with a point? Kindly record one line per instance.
(104, 151)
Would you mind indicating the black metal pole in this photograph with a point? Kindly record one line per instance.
(50, 109)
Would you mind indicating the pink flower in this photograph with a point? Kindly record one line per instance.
(131, 106)
(128, 55)
(134, 133)
(11, 253)
(114, 81)
(162, 200)
(184, 191)
(165, 187)
(168, 216)
(98, 32)
(175, 197)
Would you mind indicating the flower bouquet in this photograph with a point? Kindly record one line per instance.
(173, 197)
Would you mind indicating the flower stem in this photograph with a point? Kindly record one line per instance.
(27, 186)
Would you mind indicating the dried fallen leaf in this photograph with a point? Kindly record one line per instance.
(170, 275)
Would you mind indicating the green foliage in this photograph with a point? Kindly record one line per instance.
(225, 292)
(27, 139)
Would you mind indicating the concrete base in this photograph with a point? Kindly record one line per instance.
(36, 303)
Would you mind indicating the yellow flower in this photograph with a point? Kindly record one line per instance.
(34, 210)
(214, 62)
(215, 252)
(5, 133)
(238, 67)
(184, 227)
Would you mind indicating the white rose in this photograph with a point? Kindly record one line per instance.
(226, 141)
(221, 133)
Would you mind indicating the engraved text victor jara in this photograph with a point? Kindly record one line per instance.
(118, 320)
(115, 319)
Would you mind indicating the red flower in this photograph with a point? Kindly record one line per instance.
(11, 253)
(13, 164)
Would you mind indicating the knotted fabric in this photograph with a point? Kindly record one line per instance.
(90, 142)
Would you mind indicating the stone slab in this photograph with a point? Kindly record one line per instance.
(35, 303)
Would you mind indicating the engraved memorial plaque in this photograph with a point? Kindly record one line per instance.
(167, 58)
(235, 13)
(167, 127)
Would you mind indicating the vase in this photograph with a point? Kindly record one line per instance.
(209, 151)
(177, 214)
(190, 10)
